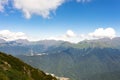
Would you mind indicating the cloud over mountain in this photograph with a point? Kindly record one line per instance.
(70, 35)
(9, 36)
(101, 33)
(97, 34)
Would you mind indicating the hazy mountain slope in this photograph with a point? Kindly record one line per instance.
(101, 43)
(81, 61)
(80, 64)
(19, 47)
(12, 68)
(106, 76)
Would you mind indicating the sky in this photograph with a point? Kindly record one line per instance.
(68, 20)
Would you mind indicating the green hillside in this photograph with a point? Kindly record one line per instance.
(12, 68)
(80, 64)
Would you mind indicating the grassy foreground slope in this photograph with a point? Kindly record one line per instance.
(12, 68)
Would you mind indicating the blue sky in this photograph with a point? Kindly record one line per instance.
(57, 17)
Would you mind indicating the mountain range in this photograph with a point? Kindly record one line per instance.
(20, 46)
(97, 59)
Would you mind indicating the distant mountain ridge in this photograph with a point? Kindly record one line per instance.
(19, 47)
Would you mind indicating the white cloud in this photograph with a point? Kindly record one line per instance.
(2, 4)
(101, 33)
(9, 36)
(70, 33)
(37, 7)
(97, 34)
(68, 36)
